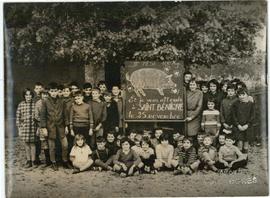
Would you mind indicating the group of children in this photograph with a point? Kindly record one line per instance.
(88, 124)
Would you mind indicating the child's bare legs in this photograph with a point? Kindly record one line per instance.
(246, 145)
(194, 166)
(84, 166)
(208, 159)
(64, 145)
(158, 164)
(52, 150)
(30, 150)
(131, 169)
(174, 163)
(27, 151)
(117, 168)
(240, 145)
(105, 166)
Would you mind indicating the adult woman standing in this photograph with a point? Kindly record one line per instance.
(194, 108)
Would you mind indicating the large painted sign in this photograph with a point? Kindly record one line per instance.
(154, 91)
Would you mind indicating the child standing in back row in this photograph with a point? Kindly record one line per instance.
(119, 101)
(26, 126)
(243, 116)
(43, 136)
(112, 120)
(99, 116)
(210, 119)
(52, 119)
(81, 117)
(226, 117)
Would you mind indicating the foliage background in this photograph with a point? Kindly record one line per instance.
(197, 33)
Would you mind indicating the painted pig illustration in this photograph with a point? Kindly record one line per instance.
(150, 78)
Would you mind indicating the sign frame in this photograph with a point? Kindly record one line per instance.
(184, 95)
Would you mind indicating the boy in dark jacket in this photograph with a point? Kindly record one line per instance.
(112, 120)
(226, 110)
(52, 119)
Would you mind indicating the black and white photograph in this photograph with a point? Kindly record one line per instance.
(135, 99)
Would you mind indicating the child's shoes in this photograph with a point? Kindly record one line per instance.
(66, 165)
(54, 166)
(136, 171)
(34, 164)
(123, 174)
(99, 169)
(28, 164)
(75, 171)
(147, 169)
(177, 172)
(154, 172)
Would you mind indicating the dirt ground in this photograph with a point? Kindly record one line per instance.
(39, 183)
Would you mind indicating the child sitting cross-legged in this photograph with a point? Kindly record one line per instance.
(207, 154)
(80, 155)
(101, 156)
(147, 156)
(164, 153)
(185, 157)
(111, 143)
(230, 157)
(126, 161)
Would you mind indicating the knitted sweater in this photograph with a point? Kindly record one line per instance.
(81, 115)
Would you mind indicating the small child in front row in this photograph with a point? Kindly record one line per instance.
(221, 141)
(80, 154)
(207, 154)
(147, 156)
(155, 140)
(126, 161)
(175, 137)
(230, 156)
(137, 147)
(111, 143)
(200, 138)
(185, 158)
(210, 119)
(101, 156)
(164, 153)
